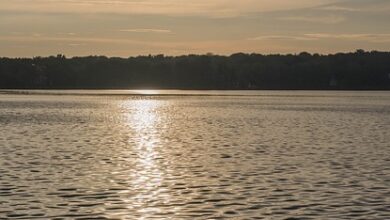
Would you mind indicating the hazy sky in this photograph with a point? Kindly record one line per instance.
(133, 27)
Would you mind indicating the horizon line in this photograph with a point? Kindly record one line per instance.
(197, 54)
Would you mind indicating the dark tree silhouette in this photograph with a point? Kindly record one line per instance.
(359, 70)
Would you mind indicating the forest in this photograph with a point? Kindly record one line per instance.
(359, 70)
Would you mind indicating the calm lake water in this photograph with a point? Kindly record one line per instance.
(194, 155)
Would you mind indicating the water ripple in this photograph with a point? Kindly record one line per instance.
(114, 157)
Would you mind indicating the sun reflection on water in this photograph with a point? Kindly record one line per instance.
(144, 119)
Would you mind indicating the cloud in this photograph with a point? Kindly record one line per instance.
(218, 8)
(358, 6)
(332, 19)
(374, 38)
(71, 40)
(339, 8)
(76, 44)
(157, 31)
(282, 37)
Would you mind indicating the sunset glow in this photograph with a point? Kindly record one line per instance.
(129, 28)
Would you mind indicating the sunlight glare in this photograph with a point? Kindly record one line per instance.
(143, 118)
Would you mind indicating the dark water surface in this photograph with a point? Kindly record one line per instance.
(242, 155)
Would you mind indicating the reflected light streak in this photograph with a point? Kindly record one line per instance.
(143, 117)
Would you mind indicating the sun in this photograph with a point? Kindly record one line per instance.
(147, 92)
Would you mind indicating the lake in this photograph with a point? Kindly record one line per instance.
(194, 154)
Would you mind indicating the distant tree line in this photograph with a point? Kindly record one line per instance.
(358, 70)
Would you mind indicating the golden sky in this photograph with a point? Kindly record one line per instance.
(138, 27)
